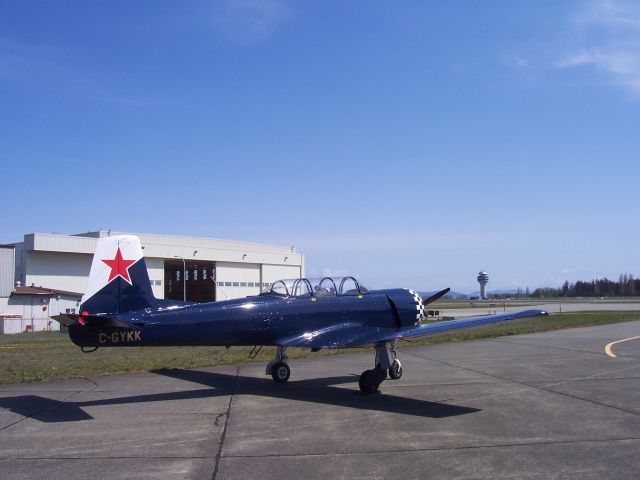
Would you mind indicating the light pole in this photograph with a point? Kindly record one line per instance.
(184, 278)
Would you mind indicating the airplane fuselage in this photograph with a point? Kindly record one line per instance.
(256, 320)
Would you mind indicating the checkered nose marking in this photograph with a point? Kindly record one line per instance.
(419, 306)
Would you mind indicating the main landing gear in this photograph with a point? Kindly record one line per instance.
(370, 380)
(278, 367)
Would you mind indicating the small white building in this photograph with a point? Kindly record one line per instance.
(30, 308)
(52, 271)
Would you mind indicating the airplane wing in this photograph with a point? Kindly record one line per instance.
(355, 334)
(448, 325)
(337, 336)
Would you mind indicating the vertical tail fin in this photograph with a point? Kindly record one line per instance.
(119, 281)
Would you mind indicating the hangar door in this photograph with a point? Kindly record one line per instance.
(271, 273)
(191, 280)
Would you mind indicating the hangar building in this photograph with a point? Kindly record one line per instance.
(51, 270)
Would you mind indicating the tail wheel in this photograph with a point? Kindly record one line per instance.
(280, 372)
(395, 371)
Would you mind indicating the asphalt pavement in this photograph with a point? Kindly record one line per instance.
(548, 405)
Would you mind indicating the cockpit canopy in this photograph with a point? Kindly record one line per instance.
(315, 287)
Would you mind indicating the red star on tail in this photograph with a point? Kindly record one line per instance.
(119, 267)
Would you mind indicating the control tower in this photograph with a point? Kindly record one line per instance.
(483, 279)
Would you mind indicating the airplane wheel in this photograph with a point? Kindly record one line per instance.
(367, 383)
(280, 372)
(370, 380)
(395, 372)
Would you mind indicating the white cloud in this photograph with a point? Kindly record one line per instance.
(608, 32)
(518, 61)
(614, 15)
(250, 21)
(51, 68)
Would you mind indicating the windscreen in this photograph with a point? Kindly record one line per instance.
(316, 287)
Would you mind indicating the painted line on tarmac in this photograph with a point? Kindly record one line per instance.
(608, 350)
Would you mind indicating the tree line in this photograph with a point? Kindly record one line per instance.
(626, 286)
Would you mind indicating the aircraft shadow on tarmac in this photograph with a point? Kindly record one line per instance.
(318, 391)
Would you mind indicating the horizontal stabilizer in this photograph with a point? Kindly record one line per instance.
(96, 321)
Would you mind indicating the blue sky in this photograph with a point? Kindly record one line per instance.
(409, 143)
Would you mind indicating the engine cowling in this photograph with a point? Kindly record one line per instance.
(407, 307)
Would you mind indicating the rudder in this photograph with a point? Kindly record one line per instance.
(119, 281)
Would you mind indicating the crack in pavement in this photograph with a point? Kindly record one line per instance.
(365, 452)
(226, 422)
(441, 449)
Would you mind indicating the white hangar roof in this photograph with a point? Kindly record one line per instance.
(170, 246)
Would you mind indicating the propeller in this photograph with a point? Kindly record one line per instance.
(435, 296)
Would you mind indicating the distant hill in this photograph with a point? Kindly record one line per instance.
(451, 294)
(511, 291)
(458, 295)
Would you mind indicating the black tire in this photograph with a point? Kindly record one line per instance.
(395, 371)
(368, 382)
(280, 372)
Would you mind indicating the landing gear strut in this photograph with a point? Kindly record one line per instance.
(278, 367)
(370, 380)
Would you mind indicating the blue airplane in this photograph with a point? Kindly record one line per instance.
(120, 310)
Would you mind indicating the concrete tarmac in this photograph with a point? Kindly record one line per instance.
(549, 405)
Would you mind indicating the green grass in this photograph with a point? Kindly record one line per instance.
(34, 357)
(480, 304)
